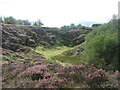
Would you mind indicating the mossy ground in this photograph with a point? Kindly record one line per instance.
(68, 59)
(50, 52)
(58, 54)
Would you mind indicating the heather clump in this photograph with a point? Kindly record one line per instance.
(72, 72)
(95, 77)
(12, 69)
(37, 70)
(52, 82)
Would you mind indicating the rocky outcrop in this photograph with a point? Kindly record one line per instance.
(73, 37)
(78, 40)
(15, 37)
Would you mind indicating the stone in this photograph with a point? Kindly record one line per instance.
(30, 42)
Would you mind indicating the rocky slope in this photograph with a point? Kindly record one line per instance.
(15, 37)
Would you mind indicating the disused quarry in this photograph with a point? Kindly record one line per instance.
(42, 57)
(47, 41)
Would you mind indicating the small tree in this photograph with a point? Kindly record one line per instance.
(39, 23)
(78, 26)
(96, 25)
(10, 20)
(1, 21)
(72, 26)
(26, 22)
(65, 28)
(115, 17)
(35, 24)
(19, 21)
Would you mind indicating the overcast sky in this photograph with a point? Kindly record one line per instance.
(56, 13)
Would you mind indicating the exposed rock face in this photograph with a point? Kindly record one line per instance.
(78, 40)
(15, 37)
(31, 43)
(73, 37)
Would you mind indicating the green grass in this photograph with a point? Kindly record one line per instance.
(27, 25)
(58, 54)
(10, 56)
(73, 59)
(49, 53)
(83, 35)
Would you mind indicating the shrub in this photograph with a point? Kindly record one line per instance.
(34, 71)
(101, 46)
(72, 73)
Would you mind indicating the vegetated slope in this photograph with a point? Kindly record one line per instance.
(101, 46)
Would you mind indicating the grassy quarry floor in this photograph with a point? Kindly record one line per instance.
(49, 53)
(57, 53)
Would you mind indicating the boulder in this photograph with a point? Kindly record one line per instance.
(23, 38)
(31, 43)
(11, 46)
(78, 40)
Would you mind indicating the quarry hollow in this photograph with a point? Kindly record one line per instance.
(73, 56)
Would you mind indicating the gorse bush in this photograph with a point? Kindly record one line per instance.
(102, 45)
